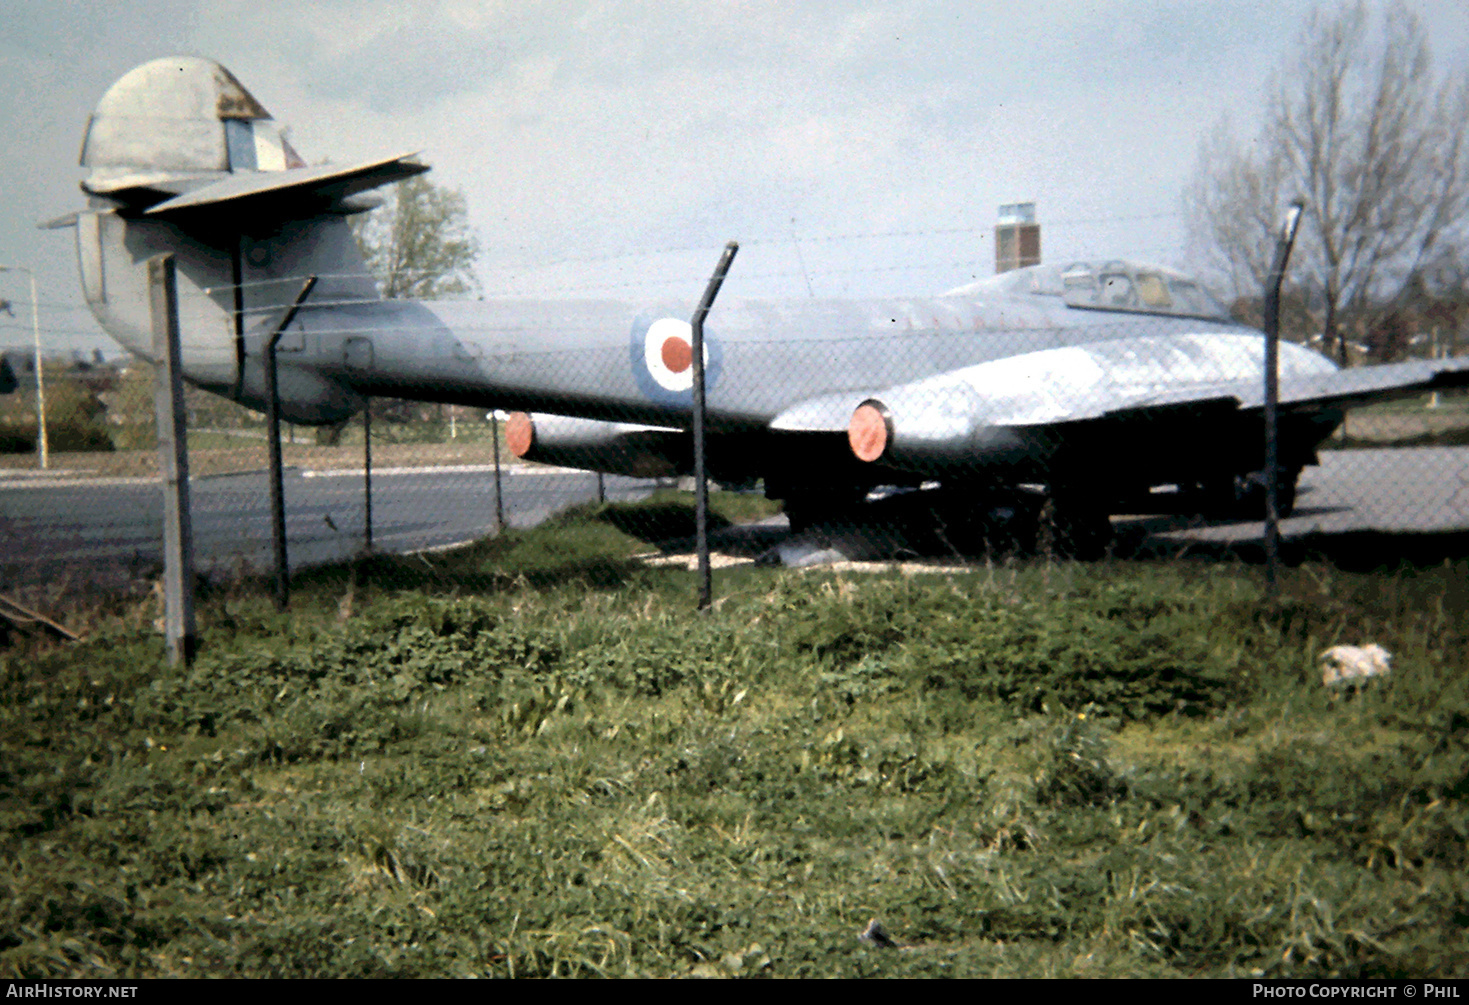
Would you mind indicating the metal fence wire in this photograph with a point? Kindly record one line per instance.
(992, 431)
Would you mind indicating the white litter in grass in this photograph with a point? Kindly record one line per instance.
(1344, 664)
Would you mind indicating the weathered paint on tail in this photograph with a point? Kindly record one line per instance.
(182, 129)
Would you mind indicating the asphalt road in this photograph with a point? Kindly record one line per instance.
(108, 529)
(1422, 489)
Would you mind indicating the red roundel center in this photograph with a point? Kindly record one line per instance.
(677, 354)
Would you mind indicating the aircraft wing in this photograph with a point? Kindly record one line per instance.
(999, 404)
(1342, 389)
(1361, 385)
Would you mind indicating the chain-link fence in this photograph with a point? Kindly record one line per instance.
(1100, 408)
(94, 518)
(1150, 481)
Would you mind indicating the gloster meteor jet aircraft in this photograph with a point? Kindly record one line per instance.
(1093, 385)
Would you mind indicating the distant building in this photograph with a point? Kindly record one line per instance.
(1017, 237)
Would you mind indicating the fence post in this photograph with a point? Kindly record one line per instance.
(1272, 395)
(277, 489)
(179, 627)
(701, 475)
(367, 475)
(499, 497)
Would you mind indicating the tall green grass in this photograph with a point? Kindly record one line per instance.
(532, 759)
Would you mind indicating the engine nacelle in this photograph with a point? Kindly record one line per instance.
(617, 448)
(913, 434)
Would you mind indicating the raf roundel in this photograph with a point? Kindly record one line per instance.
(668, 353)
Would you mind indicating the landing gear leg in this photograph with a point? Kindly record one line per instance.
(1073, 526)
(1285, 493)
(805, 510)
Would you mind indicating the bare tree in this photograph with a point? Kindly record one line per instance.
(419, 243)
(1233, 203)
(1357, 125)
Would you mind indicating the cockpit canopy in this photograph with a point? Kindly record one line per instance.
(1115, 285)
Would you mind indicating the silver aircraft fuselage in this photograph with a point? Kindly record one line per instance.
(586, 358)
(1096, 381)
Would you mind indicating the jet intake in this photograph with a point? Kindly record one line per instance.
(870, 430)
(617, 448)
(916, 432)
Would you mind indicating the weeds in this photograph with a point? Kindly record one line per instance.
(1105, 771)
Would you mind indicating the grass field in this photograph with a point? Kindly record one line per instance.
(531, 758)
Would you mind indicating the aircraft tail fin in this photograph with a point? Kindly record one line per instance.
(180, 138)
(182, 159)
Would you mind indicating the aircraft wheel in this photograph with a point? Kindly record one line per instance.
(1005, 524)
(1242, 497)
(1249, 494)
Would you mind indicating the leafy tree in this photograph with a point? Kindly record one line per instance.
(419, 243)
(420, 247)
(1357, 125)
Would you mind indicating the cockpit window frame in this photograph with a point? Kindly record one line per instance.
(1145, 282)
(1078, 284)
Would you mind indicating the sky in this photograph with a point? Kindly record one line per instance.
(610, 149)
